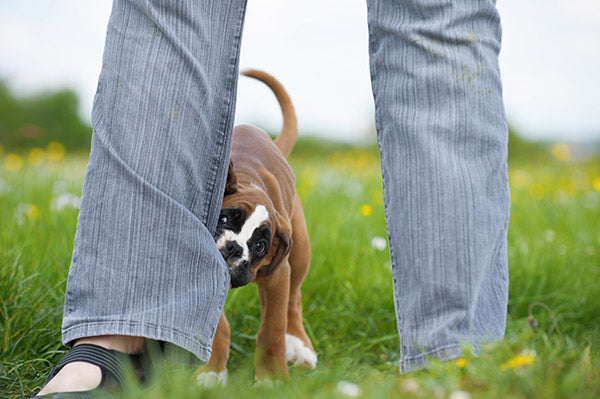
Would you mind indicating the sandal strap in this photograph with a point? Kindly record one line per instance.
(109, 361)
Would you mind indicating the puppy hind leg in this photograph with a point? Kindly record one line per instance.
(299, 260)
(215, 371)
(270, 341)
(299, 348)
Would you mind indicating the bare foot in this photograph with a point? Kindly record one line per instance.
(82, 376)
(76, 376)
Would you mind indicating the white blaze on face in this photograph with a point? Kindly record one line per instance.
(257, 217)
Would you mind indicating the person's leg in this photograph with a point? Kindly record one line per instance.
(443, 143)
(144, 261)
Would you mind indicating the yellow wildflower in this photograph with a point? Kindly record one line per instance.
(519, 178)
(32, 212)
(562, 152)
(461, 363)
(56, 151)
(366, 210)
(36, 156)
(301, 192)
(13, 162)
(537, 191)
(358, 159)
(309, 176)
(518, 361)
(596, 184)
(569, 188)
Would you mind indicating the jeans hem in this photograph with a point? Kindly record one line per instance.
(140, 329)
(443, 353)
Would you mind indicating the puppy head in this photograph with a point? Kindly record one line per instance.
(252, 237)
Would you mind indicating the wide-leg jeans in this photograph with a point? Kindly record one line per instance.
(144, 260)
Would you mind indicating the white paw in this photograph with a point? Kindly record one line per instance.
(211, 379)
(297, 353)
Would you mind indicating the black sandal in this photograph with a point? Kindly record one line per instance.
(113, 365)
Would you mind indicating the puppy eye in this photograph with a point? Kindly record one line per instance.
(223, 219)
(260, 247)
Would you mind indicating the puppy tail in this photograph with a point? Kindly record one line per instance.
(289, 131)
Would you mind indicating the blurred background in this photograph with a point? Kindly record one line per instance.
(50, 59)
(51, 53)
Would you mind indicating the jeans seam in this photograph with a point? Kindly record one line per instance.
(429, 353)
(384, 177)
(226, 118)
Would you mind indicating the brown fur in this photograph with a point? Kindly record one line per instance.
(260, 174)
(289, 131)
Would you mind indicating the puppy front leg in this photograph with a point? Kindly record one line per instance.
(215, 371)
(270, 342)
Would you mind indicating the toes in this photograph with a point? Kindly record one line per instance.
(297, 353)
(209, 379)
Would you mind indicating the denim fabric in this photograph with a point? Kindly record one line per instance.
(443, 143)
(144, 261)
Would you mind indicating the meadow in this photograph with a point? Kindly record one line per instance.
(552, 344)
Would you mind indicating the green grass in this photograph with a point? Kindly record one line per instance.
(554, 255)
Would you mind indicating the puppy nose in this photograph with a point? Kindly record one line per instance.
(233, 249)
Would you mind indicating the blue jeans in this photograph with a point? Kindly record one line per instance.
(144, 260)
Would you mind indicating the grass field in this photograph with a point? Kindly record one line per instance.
(554, 255)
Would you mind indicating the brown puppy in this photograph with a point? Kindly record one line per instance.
(263, 238)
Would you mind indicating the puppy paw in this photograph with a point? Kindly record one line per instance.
(210, 379)
(297, 353)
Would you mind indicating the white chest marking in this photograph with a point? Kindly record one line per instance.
(259, 215)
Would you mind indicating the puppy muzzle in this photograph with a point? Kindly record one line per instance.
(240, 274)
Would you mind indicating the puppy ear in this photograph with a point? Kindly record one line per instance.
(280, 246)
(231, 184)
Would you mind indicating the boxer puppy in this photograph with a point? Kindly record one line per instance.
(262, 236)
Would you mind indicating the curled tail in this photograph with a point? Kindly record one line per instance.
(289, 131)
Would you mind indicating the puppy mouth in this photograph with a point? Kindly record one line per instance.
(237, 264)
(236, 284)
(239, 271)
